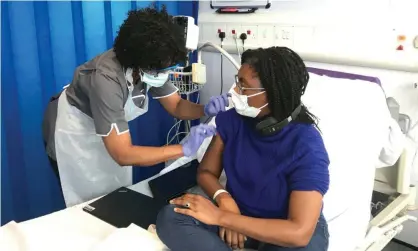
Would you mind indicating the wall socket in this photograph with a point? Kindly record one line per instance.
(232, 29)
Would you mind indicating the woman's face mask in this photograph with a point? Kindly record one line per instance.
(240, 103)
(153, 80)
(157, 79)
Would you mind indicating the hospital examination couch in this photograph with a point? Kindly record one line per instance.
(359, 133)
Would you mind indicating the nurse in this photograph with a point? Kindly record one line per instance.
(85, 127)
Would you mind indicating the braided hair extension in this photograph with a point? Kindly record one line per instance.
(149, 39)
(284, 76)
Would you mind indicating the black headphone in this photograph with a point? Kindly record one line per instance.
(270, 125)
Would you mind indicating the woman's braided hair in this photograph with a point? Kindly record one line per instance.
(284, 76)
(149, 39)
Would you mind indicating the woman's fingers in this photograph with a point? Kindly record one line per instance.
(229, 237)
(184, 211)
(234, 240)
(241, 241)
(178, 201)
(222, 234)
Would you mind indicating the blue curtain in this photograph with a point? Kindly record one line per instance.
(42, 43)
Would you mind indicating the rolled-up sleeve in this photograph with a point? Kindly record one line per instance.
(166, 90)
(107, 105)
(311, 172)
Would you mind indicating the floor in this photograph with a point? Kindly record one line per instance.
(393, 246)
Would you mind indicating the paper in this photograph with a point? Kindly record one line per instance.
(129, 239)
(176, 164)
(11, 238)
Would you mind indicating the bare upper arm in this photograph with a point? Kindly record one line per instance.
(212, 160)
(170, 103)
(304, 209)
(117, 144)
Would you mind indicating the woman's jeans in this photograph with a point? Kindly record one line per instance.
(184, 233)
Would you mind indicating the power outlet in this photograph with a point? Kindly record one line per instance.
(211, 32)
(252, 34)
(284, 36)
(231, 30)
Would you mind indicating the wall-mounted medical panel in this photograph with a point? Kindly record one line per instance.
(347, 44)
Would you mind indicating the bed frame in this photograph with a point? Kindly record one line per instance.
(388, 222)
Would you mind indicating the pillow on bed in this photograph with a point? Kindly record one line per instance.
(352, 117)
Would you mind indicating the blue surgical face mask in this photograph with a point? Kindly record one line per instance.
(157, 79)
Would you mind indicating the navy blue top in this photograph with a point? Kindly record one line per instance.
(263, 171)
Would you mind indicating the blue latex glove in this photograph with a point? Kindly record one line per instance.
(217, 104)
(196, 137)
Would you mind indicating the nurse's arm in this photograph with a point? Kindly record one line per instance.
(181, 108)
(296, 231)
(210, 169)
(124, 153)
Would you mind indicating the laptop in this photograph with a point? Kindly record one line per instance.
(123, 207)
(174, 183)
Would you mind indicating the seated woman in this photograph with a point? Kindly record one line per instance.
(276, 179)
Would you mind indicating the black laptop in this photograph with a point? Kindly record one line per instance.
(124, 206)
(174, 183)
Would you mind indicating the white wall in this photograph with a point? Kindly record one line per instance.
(384, 15)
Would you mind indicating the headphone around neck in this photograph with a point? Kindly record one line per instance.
(270, 126)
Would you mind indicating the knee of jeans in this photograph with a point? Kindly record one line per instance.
(168, 220)
(166, 216)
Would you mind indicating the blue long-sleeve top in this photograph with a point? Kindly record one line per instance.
(262, 171)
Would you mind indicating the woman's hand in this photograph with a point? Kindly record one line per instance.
(199, 208)
(233, 239)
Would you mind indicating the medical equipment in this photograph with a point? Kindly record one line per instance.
(191, 31)
(191, 79)
(215, 4)
(187, 79)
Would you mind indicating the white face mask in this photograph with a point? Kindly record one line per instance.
(151, 80)
(132, 109)
(240, 103)
(157, 80)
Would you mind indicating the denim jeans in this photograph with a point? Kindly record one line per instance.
(184, 233)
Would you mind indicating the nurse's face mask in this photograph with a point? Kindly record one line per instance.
(240, 100)
(156, 78)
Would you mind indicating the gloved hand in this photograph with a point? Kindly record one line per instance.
(196, 137)
(217, 104)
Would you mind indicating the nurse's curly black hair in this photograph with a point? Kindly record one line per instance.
(284, 76)
(149, 39)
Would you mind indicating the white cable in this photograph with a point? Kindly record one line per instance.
(168, 134)
(218, 48)
(177, 127)
(176, 136)
(236, 44)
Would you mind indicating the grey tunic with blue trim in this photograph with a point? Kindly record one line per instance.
(99, 89)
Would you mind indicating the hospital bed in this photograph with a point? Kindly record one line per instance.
(374, 139)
